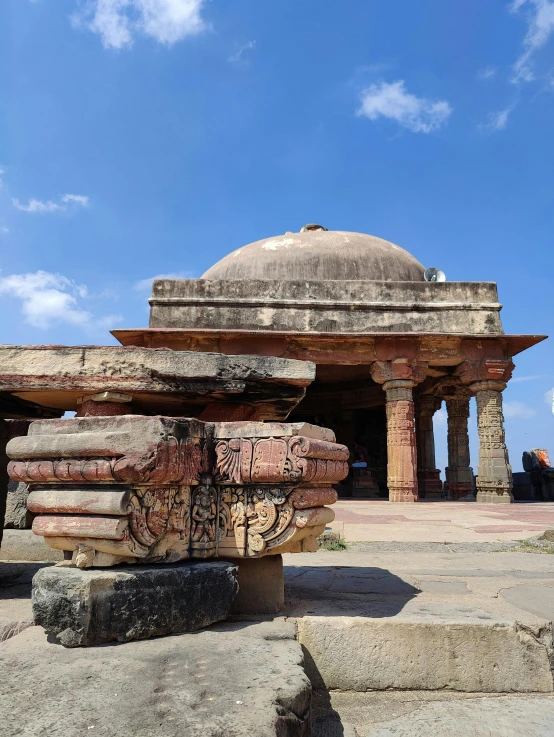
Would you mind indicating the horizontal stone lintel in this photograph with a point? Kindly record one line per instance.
(418, 306)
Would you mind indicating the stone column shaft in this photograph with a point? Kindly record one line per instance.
(401, 441)
(459, 474)
(428, 476)
(494, 475)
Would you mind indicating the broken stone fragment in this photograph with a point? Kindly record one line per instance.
(90, 607)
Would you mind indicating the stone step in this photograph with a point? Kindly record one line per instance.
(428, 646)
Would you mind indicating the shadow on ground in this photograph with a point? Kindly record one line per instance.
(356, 591)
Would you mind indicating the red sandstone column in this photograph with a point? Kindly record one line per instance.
(105, 404)
(459, 474)
(428, 477)
(398, 377)
(487, 380)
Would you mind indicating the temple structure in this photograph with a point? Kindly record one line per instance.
(389, 348)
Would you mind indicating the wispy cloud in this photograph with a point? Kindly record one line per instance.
(497, 121)
(4, 230)
(118, 21)
(549, 399)
(540, 27)
(519, 410)
(2, 172)
(393, 101)
(145, 285)
(238, 59)
(486, 73)
(48, 299)
(42, 206)
(531, 377)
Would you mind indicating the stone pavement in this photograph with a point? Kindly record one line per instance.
(431, 714)
(440, 521)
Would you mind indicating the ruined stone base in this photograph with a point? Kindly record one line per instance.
(89, 607)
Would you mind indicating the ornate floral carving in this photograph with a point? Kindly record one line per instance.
(296, 460)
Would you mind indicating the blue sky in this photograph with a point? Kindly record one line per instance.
(145, 137)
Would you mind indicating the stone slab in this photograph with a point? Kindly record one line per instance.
(430, 714)
(159, 379)
(231, 680)
(425, 616)
(17, 515)
(90, 607)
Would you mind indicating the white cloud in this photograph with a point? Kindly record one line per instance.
(238, 57)
(145, 285)
(486, 73)
(393, 101)
(2, 172)
(540, 28)
(440, 418)
(4, 230)
(532, 377)
(519, 410)
(48, 299)
(497, 121)
(41, 206)
(118, 21)
(549, 399)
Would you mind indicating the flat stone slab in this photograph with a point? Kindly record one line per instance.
(90, 607)
(233, 680)
(430, 714)
(160, 380)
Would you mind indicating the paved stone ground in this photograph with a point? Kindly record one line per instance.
(440, 521)
(431, 714)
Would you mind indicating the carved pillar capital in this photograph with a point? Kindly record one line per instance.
(161, 489)
(489, 369)
(383, 372)
(427, 404)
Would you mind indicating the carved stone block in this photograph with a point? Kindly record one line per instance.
(159, 489)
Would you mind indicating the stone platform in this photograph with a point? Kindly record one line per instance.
(234, 679)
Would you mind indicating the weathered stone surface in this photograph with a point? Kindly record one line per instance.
(430, 647)
(17, 516)
(337, 306)
(232, 680)
(83, 608)
(158, 380)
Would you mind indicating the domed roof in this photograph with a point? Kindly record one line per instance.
(319, 255)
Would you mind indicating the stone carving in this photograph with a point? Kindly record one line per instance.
(113, 489)
(459, 474)
(398, 377)
(494, 480)
(487, 380)
(280, 460)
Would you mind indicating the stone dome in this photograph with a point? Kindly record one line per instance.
(319, 255)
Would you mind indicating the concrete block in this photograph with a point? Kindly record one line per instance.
(89, 607)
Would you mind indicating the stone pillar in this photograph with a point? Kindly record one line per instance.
(428, 477)
(398, 377)
(487, 379)
(104, 404)
(494, 474)
(459, 474)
